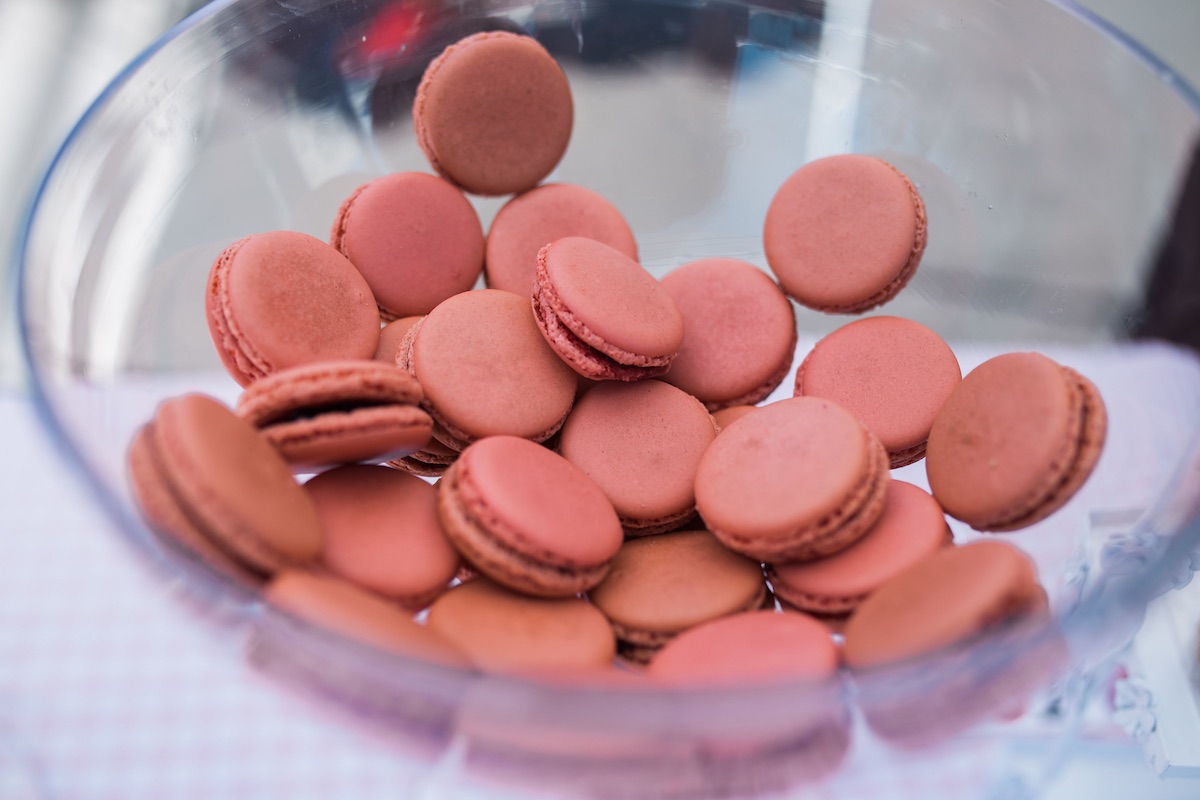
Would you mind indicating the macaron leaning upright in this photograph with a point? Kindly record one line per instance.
(603, 313)
(493, 113)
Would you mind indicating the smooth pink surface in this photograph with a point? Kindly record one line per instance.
(1005, 437)
(641, 443)
(739, 331)
(414, 237)
(841, 230)
(271, 293)
(493, 113)
(390, 337)
(382, 532)
(613, 296)
(486, 369)
(538, 501)
(892, 373)
(727, 416)
(781, 469)
(912, 527)
(533, 219)
(744, 648)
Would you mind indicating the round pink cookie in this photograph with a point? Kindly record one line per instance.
(533, 219)
(797, 479)
(382, 533)
(527, 518)
(845, 233)
(338, 412)
(892, 373)
(603, 313)
(912, 528)
(281, 298)
(739, 332)
(725, 417)
(390, 338)
(414, 237)
(493, 113)
(753, 647)
(487, 370)
(641, 443)
(231, 485)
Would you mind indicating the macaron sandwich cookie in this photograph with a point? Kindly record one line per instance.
(209, 481)
(415, 238)
(739, 332)
(641, 443)
(603, 313)
(845, 233)
(279, 299)
(493, 113)
(893, 374)
(659, 586)
(338, 412)
(797, 479)
(527, 518)
(1015, 441)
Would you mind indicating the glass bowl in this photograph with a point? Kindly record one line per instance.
(1050, 154)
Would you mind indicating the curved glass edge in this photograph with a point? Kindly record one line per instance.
(124, 518)
(1166, 72)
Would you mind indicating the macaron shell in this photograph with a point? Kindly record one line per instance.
(161, 511)
(382, 533)
(739, 332)
(415, 238)
(844, 233)
(366, 434)
(946, 598)
(506, 632)
(493, 113)
(893, 374)
(282, 298)
(341, 607)
(544, 214)
(234, 484)
(486, 370)
(758, 646)
(668, 583)
(794, 470)
(911, 528)
(1007, 441)
(608, 299)
(390, 337)
(724, 417)
(310, 388)
(536, 501)
(641, 443)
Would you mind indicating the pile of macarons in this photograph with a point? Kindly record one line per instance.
(569, 471)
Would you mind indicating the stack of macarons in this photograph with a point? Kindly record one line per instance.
(568, 469)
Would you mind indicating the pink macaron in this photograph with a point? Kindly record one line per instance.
(279, 299)
(603, 313)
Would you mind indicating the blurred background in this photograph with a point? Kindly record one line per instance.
(55, 58)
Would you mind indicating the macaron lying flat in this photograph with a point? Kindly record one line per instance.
(943, 599)
(641, 443)
(911, 528)
(527, 518)
(739, 332)
(892, 373)
(544, 214)
(197, 461)
(486, 370)
(338, 412)
(493, 113)
(382, 533)
(502, 631)
(279, 299)
(845, 233)
(603, 313)
(414, 237)
(659, 586)
(1015, 441)
(794, 480)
